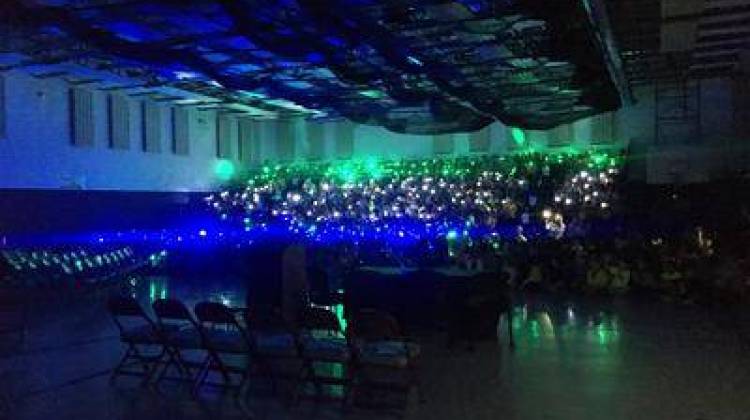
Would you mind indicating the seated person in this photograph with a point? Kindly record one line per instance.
(510, 272)
(620, 273)
(672, 279)
(534, 278)
(555, 275)
(643, 276)
(597, 278)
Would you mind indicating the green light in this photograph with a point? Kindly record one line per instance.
(570, 149)
(599, 159)
(373, 168)
(519, 137)
(534, 329)
(607, 334)
(224, 170)
(339, 309)
(347, 172)
(517, 324)
(372, 93)
(524, 77)
(452, 235)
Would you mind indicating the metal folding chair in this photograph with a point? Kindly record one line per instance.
(384, 359)
(274, 345)
(323, 346)
(225, 341)
(14, 311)
(180, 333)
(140, 334)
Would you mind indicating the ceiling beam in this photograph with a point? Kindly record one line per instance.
(599, 19)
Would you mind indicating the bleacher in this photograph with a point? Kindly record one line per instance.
(68, 267)
(54, 278)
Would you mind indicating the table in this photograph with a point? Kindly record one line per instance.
(432, 298)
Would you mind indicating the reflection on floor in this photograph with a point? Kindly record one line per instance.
(577, 359)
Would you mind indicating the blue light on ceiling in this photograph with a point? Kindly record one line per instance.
(296, 84)
(414, 60)
(360, 2)
(52, 30)
(314, 58)
(133, 32)
(285, 31)
(186, 75)
(241, 68)
(262, 54)
(217, 57)
(475, 6)
(288, 64)
(206, 19)
(335, 41)
(238, 43)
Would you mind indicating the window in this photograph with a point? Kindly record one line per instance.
(285, 147)
(316, 141)
(240, 149)
(344, 139)
(181, 131)
(249, 140)
(443, 144)
(3, 133)
(479, 141)
(82, 117)
(118, 115)
(560, 135)
(601, 128)
(223, 137)
(151, 123)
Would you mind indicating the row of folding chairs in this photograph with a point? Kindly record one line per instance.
(235, 345)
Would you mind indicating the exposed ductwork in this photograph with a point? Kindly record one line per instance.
(425, 67)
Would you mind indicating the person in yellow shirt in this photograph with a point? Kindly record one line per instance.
(597, 278)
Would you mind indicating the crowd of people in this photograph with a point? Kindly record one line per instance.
(567, 227)
(412, 200)
(551, 222)
(676, 269)
(696, 265)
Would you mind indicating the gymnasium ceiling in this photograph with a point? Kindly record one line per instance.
(425, 67)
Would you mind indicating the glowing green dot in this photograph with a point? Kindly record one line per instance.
(224, 170)
(519, 137)
(373, 94)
